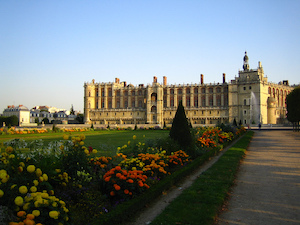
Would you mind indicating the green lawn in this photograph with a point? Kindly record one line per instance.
(200, 203)
(101, 140)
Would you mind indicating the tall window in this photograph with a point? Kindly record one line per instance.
(211, 100)
(218, 100)
(188, 102)
(196, 101)
(203, 101)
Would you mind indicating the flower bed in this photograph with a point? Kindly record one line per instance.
(55, 185)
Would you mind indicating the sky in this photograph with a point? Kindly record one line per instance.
(49, 49)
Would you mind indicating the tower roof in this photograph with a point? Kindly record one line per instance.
(246, 57)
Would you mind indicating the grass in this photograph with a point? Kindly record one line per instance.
(105, 140)
(201, 203)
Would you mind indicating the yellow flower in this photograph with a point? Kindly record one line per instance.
(22, 164)
(1, 193)
(38, 172)
(19, 201)
(82, 137)
(36, 213)
(37, 204)
(61, 147)
(3, 174)
(5, 179)
(26, 206)
(66, 137)
(63, 204)
(81, 143)
(45, 176)
(11, 156)
(133, 137)
(33, 189)
(23, 189)
(95, 151)
(9, 149)
(31, 168)
(45, 195)
(57, 170)
(54, 204)
(86, 151)
(36, 183)
(54, 214)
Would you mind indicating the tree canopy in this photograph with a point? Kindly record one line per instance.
(293, 106)
(180, 131)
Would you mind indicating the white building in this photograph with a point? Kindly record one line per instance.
(20, 111)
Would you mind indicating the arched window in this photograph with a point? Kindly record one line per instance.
(153, 97)
(153, 108)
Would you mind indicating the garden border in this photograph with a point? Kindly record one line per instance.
(127, 211)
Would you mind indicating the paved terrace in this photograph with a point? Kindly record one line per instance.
(267, 190)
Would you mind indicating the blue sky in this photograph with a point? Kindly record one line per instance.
(48, 49)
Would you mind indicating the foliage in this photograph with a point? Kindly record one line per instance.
(45, 120)
(80, 118)
(88, 182)
(9, 120)
(234, 123)
(180, 131)
(293, 107)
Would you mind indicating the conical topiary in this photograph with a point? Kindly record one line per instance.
(180, 131)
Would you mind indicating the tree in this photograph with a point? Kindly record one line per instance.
(72, 112)
(36, 120)
(293, 107)
(234, 123)
(180, 131)
(79, 118)
(12, 121)
(45, 120)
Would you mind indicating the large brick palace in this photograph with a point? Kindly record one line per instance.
(249, 98)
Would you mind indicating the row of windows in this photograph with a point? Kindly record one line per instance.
(179, 91)
(196, 90)
(171, 102)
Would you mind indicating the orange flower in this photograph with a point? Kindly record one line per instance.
(126, 191)
(21, 213)
(130, 181)
(118, 175)
(141, 184)
(112, 193)
(117, 187)
(30, 216)
(118, 168)
(107, 179)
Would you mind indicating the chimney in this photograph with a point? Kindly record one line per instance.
(125, 83)
(201, 78)
(165, 80)
(117, 80)
(154, 79)
(224, 78)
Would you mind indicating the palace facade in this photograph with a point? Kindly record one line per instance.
(249, 98)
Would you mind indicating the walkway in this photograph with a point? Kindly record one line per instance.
(267, 190)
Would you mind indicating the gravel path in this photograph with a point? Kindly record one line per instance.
(267, 190)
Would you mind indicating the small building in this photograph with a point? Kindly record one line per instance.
(20, 111)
